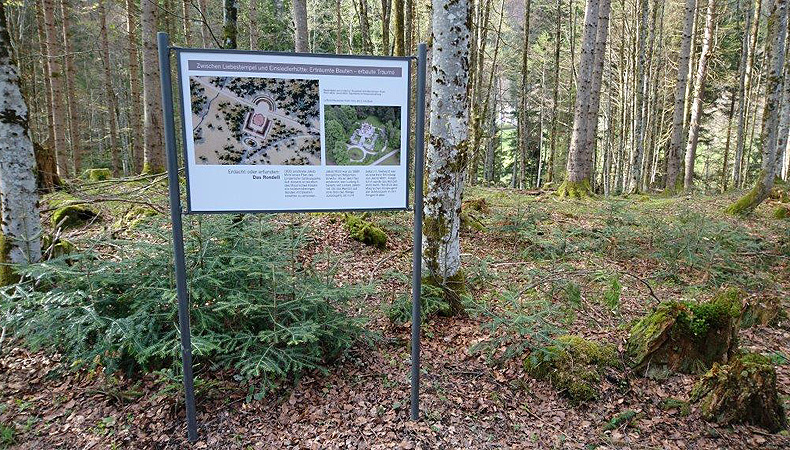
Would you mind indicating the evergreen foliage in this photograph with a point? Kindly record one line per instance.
(255, 307)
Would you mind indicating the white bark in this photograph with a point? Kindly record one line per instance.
(153, 140)
(676, 139)
(602, 36)
(639, 109)
(449, 120)
(699, 89)
(20, 224)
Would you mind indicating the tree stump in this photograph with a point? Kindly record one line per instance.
(741, 392)
(686, 337)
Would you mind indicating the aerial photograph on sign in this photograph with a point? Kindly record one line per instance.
(362, 135)
(255, 121)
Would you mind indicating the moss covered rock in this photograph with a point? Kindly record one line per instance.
(743, 391)
(71, 216)
(686, 337)
(471, 223)
(574, 366)
(365, 232)
(101, 174)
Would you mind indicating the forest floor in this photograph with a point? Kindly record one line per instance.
(535, 247)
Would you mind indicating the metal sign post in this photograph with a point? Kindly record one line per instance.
(416, 280)
(178, 235)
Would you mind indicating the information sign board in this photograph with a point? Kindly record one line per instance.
(293, 132)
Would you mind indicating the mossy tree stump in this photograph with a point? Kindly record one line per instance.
(364, 231)
(573, 365)
(575, 189)
(71, 216)
(686, 337)
(741, 392)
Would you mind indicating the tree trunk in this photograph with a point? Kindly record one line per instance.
(743, 89)
(784, 115)
(556, 96)
(386, 12)
(108, 90)
(400, 49)
(135, 91)
(523, 116)
(56, 81)
(338, 27)
(187, 11)
(602, 36)
(447, 146)
(230, 31)
(205, 31)
(775, 38)
(635, 175)
(20, 224)
(409, 26)
(70, 74)
(699, 90)
(45, 156)
(727, 145)
(300, 25)
(153, 142)
(577, 182)
(364, 25)
(676, 140)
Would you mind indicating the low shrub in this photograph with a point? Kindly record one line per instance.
(255, 308)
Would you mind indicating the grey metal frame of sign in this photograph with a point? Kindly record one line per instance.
(180, 50)
(178, 233)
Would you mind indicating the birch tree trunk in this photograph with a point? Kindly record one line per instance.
(699, 90)
(775, 48)
(230, 30)
(300, 25)
(135, 91)
(577, 182)
(784, 115)
(108, 90)
(56, 81)
(676, 139)
(153, 141)
(641, 84)
(20, 225)
(70, 74)
(447, 147)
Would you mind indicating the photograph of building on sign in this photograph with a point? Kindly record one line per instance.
(255, 121)
(362, 135)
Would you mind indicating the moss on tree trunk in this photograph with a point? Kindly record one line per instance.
(741, 392)
(575, 189)
(686, 337)
(7, 274)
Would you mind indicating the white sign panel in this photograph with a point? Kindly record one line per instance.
(288, 132)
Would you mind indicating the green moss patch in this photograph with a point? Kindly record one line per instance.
(781, 212)
(623, 419)
(743, 391)
(686, 337)
(671, 403)
(71, 216)
(7, 274)
(575, 189)
(98, 174)
(573, 365)
(365, 232)
(59, 247)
